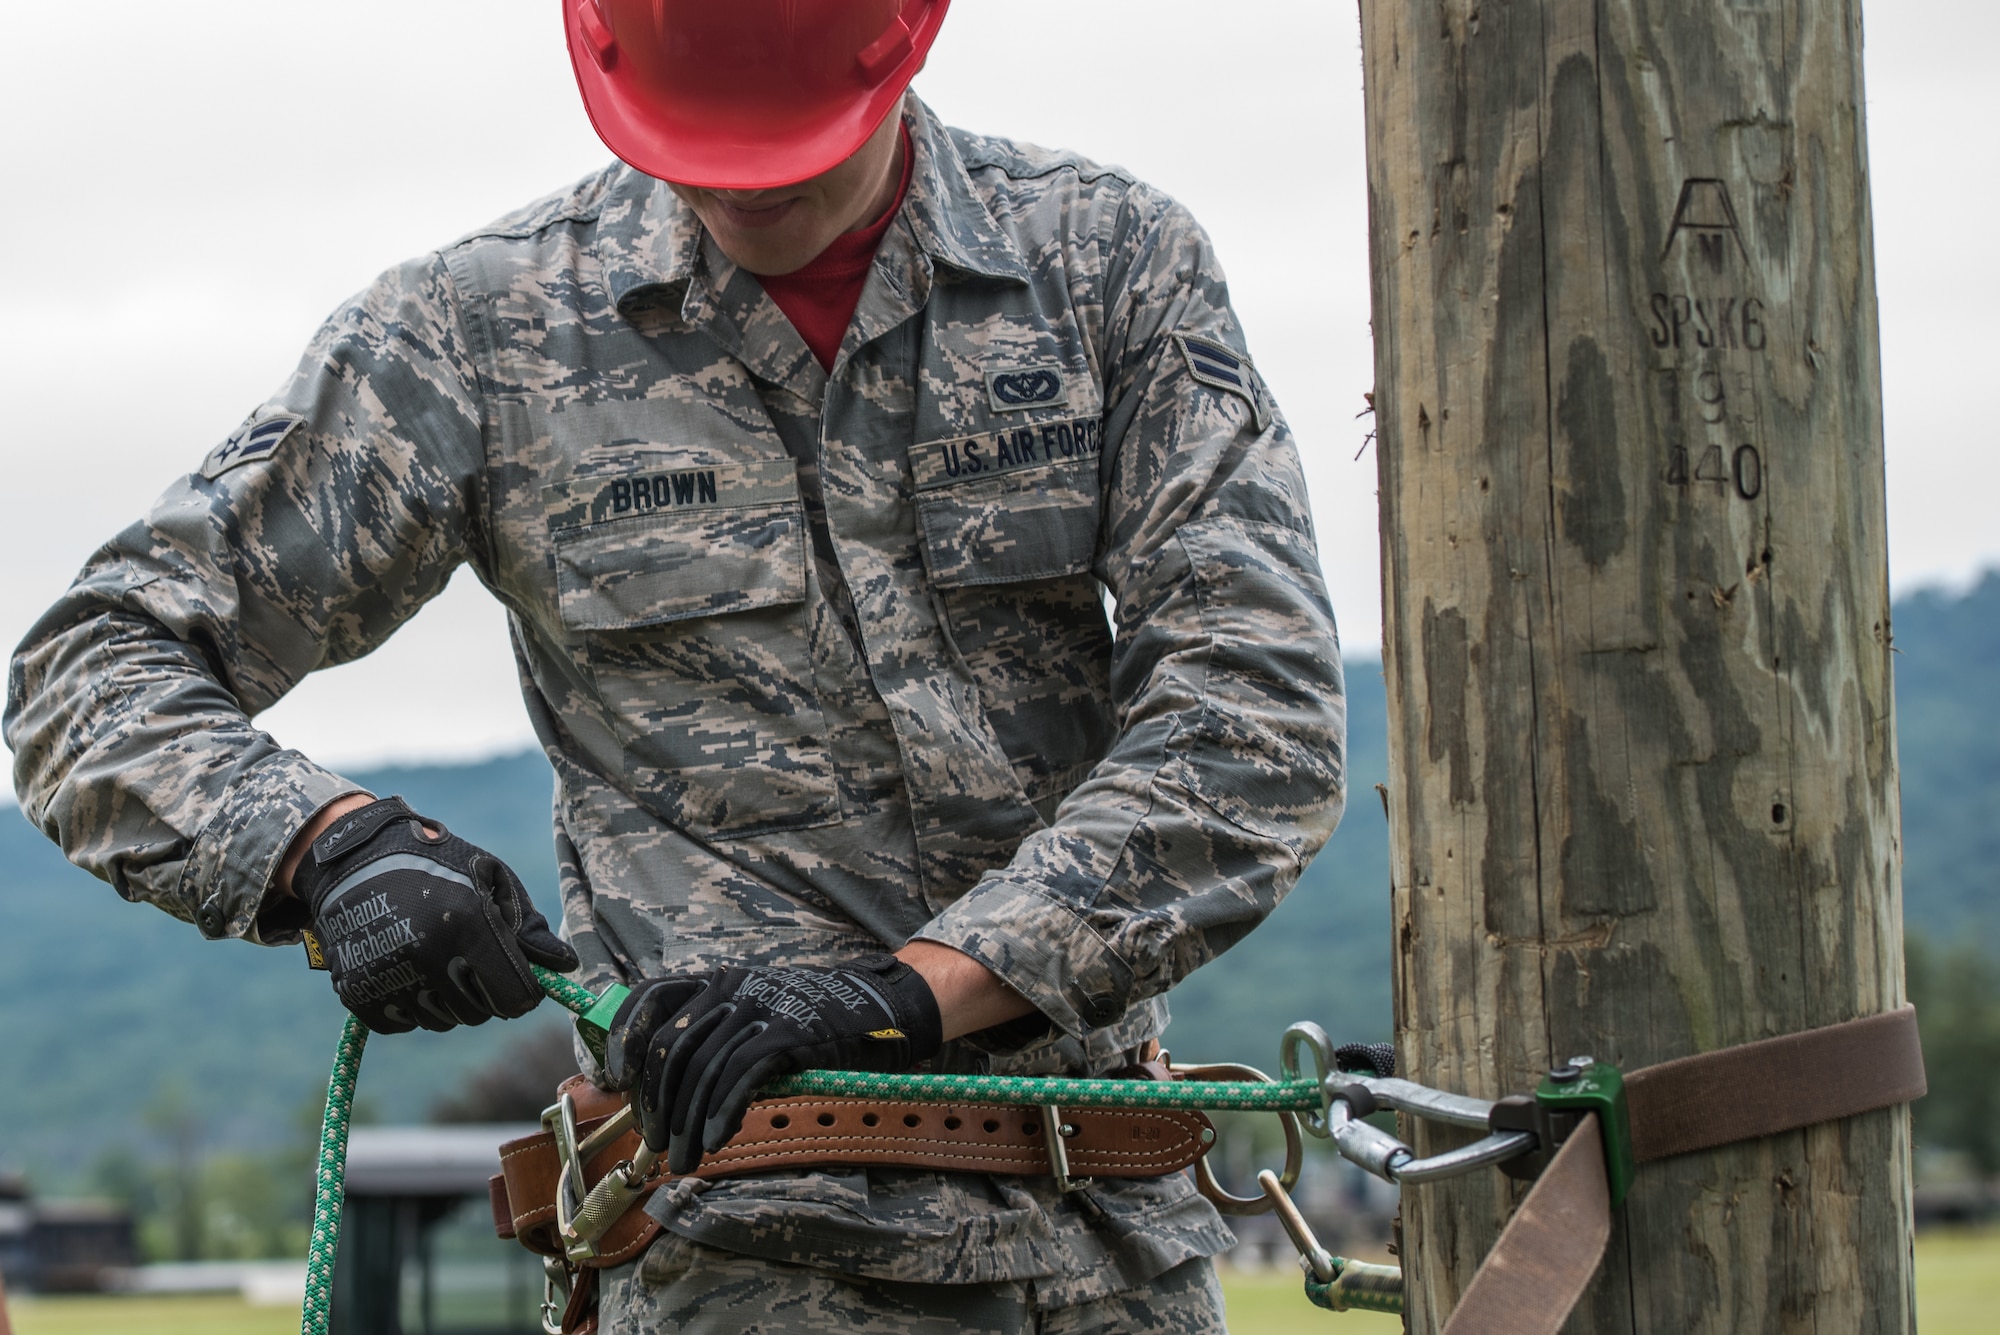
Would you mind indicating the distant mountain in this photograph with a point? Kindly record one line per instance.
(1948, 734)
(103, 1004)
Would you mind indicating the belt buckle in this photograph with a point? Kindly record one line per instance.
(1055, 1132)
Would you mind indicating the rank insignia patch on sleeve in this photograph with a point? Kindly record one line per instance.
(258, 438)
(1214, 365)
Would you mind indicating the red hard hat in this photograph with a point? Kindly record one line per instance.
(744, 94)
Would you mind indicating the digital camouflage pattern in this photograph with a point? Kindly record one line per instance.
(683, 1287)
(821, 661)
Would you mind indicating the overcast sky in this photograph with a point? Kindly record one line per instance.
(192, 187)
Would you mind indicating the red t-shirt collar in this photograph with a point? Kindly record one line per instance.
(819, 297)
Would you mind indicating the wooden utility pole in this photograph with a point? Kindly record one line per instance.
(1637, 612)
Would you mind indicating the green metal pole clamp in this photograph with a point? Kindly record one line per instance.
(1566, 1095)
(1586, 1086)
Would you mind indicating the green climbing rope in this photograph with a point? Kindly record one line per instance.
(328, 1181)
(1020, 1091)
(1035, 1091)
(571, 995)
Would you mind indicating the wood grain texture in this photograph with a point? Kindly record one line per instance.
(1637, 611)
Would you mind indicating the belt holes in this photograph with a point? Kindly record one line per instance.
(952, 1124)
(912, 1120)
(869, 1119)
(826, 1119)
(991, 1126)
(1031, 1128)
(780, 1122)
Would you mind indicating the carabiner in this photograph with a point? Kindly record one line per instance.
(1393, 1161)
(560, 1121)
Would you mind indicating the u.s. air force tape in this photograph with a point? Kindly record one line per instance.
(1216, 366)
(258, 438)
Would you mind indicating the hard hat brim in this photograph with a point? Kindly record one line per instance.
(743, 147)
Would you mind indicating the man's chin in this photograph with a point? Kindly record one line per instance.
(769, 261)
(771, 251)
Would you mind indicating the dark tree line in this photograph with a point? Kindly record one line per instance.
(1957, 995)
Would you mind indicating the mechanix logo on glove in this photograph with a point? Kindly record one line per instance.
(694, 1051)
(798, 994)
(421, 930)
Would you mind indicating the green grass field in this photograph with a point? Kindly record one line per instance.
(1958, 1293)
(149, 1316)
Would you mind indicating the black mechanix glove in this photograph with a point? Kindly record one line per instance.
(695, 1050)
(419, 930)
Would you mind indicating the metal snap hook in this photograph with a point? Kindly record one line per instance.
(556, 1286)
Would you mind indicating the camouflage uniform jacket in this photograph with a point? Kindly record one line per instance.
(821, 660)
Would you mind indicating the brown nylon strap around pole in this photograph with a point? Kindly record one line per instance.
(1777, 1084)
(1549, 1251)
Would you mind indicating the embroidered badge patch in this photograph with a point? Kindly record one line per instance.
(1031, 387)
(256, 439)
(1216, 366)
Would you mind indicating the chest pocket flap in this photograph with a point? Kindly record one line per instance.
(1010, 505)
(653, 546)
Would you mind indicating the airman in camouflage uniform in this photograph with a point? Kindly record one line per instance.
(821, 660)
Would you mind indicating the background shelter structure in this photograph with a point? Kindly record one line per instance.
(417, 1253)
(1643, 799)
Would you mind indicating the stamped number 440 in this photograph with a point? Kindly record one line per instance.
(1744, 469)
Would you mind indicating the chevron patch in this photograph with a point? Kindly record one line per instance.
(1216, 366)
(256, 439)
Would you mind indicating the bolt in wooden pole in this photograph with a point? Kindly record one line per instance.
(1637, 611)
